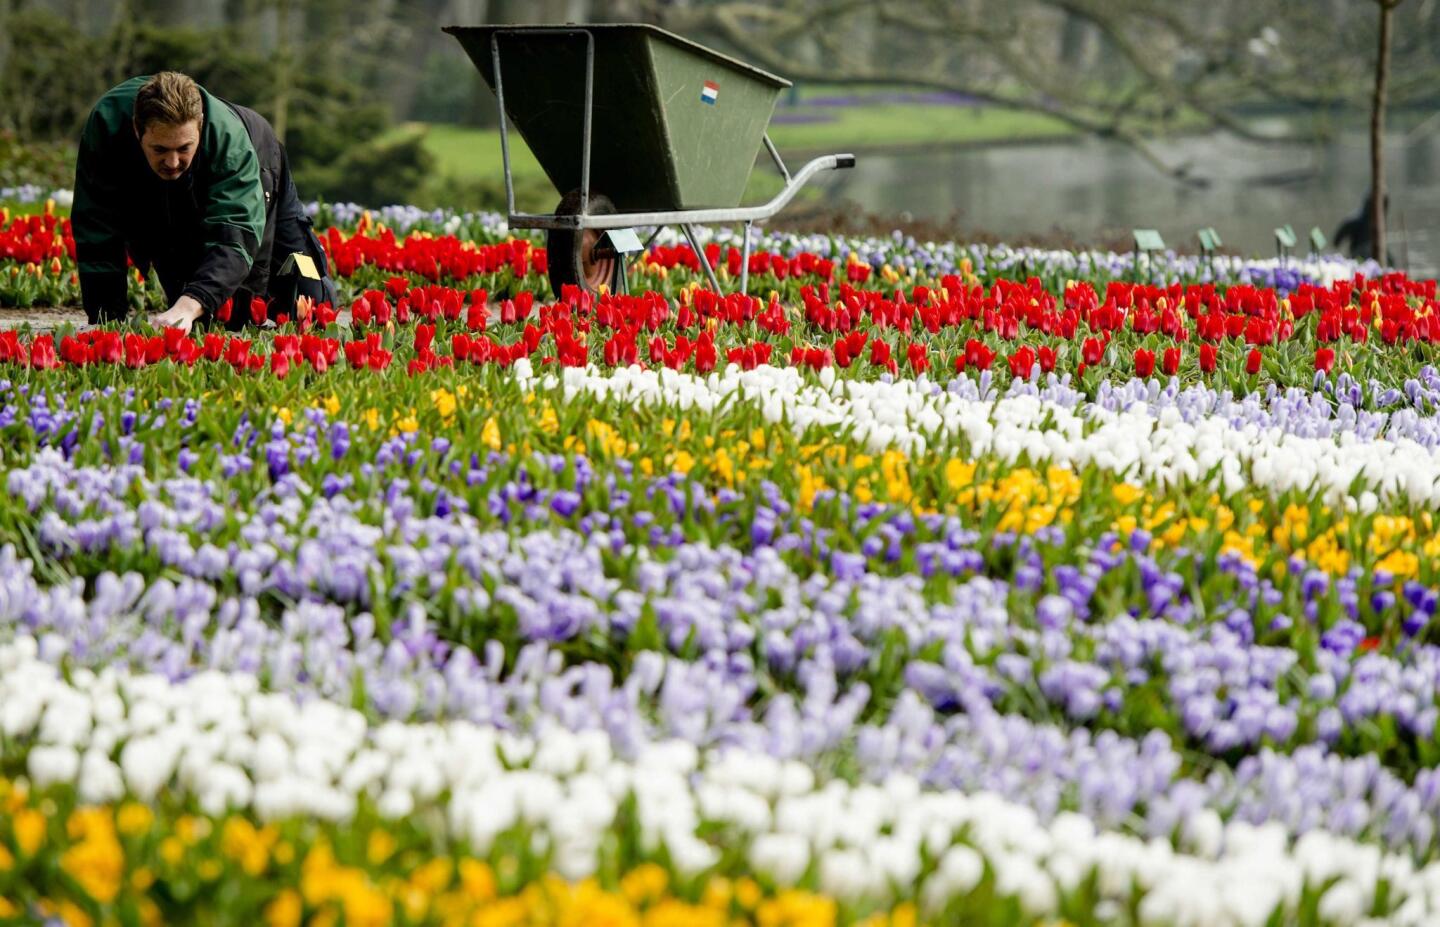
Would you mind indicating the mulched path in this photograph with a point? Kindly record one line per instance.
(42, 318)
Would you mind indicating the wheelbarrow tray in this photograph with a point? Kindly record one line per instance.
(675, 125)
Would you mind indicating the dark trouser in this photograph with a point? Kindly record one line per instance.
(285, 225)
(286, 228)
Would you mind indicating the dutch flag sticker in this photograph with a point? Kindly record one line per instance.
(709, 92)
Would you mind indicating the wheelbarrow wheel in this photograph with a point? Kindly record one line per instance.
(572, 254)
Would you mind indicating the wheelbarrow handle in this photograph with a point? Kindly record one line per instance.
(621, 220)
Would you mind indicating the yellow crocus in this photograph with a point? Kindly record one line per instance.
(959, 474)
(444, 401)
(29, 827)
(133, 819)
(285, 909)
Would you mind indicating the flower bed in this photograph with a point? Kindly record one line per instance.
(924, 586)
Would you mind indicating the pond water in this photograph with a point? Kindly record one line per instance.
(1088, 186)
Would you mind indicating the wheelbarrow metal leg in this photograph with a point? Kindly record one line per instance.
(700, 253)
(745, 258)
(504, 128)
(589, 110)
(775, 156)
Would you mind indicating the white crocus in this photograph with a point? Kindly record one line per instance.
(784, 857)
(913, 415)
(863, 843)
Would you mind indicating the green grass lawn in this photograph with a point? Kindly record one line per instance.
(904, 125)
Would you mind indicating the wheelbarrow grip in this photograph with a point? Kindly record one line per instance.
(844, 160)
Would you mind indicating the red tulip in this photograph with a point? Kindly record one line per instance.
(460, 346)
(172, 338)
(1252, 362)
(258, 310)
(880, 354)
(1170, 361)
(1092, 351)
(357, 353)
(1144, 362)
(705, 353)
(42, 353)
(109, 348)
(134, 350)
(1022, 361)
(279, 365)
(531, 338)
(1047, 359)
(612, 352)
(978, 355)
(237, 352)
(1324, 360)
(1208, 358)
(918, 356)
(855, 342)
(75, 352)
(289, 345)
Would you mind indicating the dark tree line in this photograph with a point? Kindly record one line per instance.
(335, 76)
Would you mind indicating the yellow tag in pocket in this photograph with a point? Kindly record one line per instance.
(302, 263)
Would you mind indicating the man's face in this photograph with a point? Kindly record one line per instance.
(170, 148)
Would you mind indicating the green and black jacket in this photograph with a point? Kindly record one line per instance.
(207, 226)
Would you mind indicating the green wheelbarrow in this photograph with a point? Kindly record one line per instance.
(638, 128)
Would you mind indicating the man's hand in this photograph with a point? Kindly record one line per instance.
(182, 315)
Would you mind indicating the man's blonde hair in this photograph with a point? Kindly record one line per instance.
(169, 98)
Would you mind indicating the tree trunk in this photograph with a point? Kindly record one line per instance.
(242, 18)
(1377, 132)
(1076, 36)
(5, 10)
(420, 35)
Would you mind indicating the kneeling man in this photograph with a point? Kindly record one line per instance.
(194, 187)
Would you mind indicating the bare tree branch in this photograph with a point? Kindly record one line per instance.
(1162, 65)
